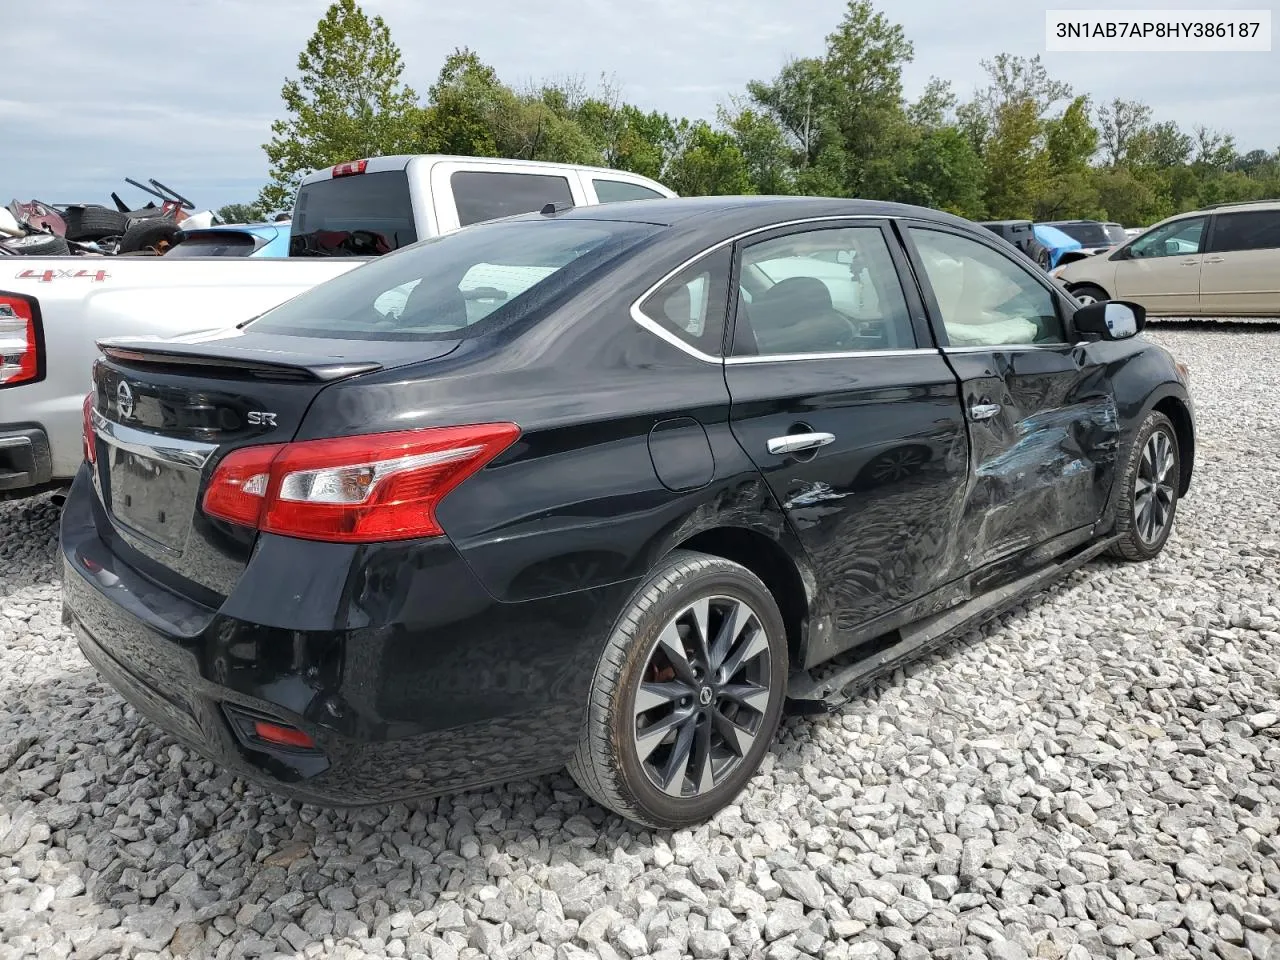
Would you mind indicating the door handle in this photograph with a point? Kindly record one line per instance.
(799, 442)
(984, 411)
(1214, 259)
(1191, 263)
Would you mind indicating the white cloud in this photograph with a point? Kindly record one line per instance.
(185, 90)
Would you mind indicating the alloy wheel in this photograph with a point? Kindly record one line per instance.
(1153, 491)
(703, 696)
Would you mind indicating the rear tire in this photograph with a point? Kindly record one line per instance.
(1087, 293)
(1148, 492)
(713, 706)
(145, 235)
(38, 245)
(94, 223)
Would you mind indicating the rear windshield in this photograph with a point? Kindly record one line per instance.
(216, 244)
(458, 285)
(1092, 234)
(361, 215)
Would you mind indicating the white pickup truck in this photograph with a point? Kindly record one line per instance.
(53, 310)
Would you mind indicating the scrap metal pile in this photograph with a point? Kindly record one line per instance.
(42, 229)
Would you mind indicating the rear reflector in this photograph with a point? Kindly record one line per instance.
(21, 349)
(375, 487)
(350, 167)
(281, 735)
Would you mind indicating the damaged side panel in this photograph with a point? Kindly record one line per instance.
(1044, 461)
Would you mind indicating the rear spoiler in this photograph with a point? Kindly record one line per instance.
(230, 360)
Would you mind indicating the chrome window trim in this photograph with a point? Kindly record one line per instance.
(837, 355)
(641, 318)
(1007, 346)
(181, 453)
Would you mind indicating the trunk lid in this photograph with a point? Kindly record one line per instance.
(166, 411)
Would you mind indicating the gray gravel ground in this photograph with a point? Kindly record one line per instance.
(1096, 774)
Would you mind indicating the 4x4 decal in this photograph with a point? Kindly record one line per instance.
(48, 276)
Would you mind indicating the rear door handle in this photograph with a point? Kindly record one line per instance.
(798, 442)
(1214, 259)
(984, 411)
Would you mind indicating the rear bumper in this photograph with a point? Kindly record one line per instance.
(430, 686)
(26, 463)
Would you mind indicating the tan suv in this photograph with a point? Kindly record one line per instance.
(1223, 260)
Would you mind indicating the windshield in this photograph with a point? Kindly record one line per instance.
(361, 215)
(1091, 234)
(443, 288)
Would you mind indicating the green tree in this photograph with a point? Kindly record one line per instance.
(1009, 122)
(1162, 145)
(942, 170)
(1071, 140)
(1125, 125)
(347, 102)
(865, 57)
(239, 213)
(462, 105)
(709, 163)
(764, 148)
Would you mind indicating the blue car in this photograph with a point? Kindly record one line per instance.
(235, 240)
(1055, 242)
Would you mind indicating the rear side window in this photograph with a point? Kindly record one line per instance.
(1259, 230)
(458, 285)
(215, 244)
(829, 290)
(613, 191)
(361, 215)
(691, 306)
(481, 196)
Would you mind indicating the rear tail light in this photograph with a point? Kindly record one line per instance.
(21, 349)
(382, 486)
(281, 735)
(350, 167)
(90, 448)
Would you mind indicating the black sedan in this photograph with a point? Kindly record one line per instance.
(602, 487)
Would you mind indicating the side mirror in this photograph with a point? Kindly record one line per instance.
(1110, 319)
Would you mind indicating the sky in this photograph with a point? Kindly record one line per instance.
(185, 90)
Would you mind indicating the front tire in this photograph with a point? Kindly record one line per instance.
(1087, 293)
(687, 694)
(1148, 491)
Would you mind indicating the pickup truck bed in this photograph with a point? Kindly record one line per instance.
(92, 298)
(342, 217)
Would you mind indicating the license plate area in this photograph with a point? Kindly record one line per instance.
(153, 497)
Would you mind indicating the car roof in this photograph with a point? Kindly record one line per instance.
(1058, 223)
(736, 214)
(1243, 206)
(401, 161)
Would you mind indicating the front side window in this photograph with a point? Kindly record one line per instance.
(821, 291)
(1256, 230)
(984, 297)
(613, 191)
(483, 195)
(691, 305)
(457, 285)
(1177, 239)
